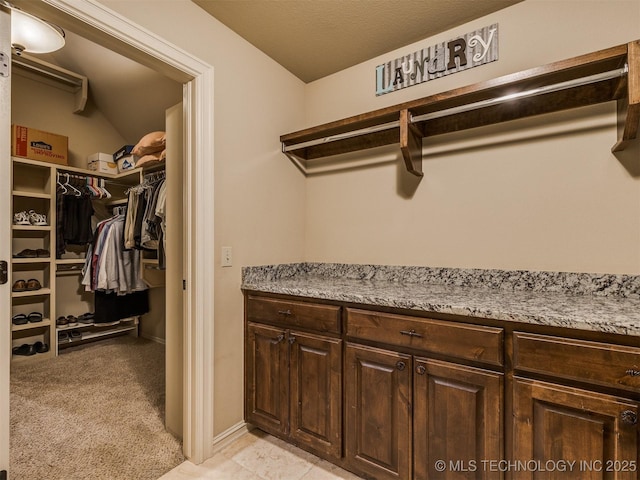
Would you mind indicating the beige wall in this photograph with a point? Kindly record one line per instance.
(259, 209)
(537, 194)
(39, 105)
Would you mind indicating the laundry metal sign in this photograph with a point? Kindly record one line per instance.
(465, 52)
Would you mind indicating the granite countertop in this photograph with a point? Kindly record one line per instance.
(604, 303)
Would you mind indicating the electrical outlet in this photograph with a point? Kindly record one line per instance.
(226, 257)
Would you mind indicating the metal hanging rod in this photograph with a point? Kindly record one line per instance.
(578, 82)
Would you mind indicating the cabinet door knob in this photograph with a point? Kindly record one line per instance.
(421, 370)
(400, 366)
(629, 417)
(279, 338)
(284, 312)
(291, 340)
(632, 372)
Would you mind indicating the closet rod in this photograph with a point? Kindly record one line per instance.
(84, 177)
(577, 82)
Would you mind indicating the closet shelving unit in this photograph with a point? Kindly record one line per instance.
(34, 188)
(607, 75)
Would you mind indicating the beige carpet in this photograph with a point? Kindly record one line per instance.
(94, 412)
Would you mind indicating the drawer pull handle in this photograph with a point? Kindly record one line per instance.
(400, 366)
(421, 370)
(279, 338)
(411, 333)
(291, 340)
(629, 417)
(284, 312)
(632, 372)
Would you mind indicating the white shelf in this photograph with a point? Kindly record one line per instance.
(22, 260)
(31, 228)
(29, 326)
(70, 261)
(107, 331)
(24, 193)
(31, 293)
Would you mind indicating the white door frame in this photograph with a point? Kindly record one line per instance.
(198, 213)
(5, 238)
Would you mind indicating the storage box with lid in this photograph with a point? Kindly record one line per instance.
(39, 145)
(102, 163)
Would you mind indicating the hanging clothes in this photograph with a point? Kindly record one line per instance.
(110, 267)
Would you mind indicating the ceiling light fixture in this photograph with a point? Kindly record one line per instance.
(32, 34)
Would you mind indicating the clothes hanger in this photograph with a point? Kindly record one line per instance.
(64, 189)
(76, 192)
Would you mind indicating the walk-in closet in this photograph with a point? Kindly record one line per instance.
(97, 265)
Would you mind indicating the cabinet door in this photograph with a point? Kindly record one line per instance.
(267, 378)
(316, 392)
(378, 415)
(555, 424)
(457, 420)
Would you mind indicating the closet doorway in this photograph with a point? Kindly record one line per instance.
(98, 24)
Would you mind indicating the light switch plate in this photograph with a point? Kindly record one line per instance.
(227, 259)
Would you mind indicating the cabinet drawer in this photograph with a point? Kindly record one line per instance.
(591, 362)
(461, 340)
(322, 318)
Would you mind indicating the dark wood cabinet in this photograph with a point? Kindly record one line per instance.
(421, 398)
(591, 435)
(316, 392)
(457, 419)
(267, 378)
(378, 412)
(293, 380)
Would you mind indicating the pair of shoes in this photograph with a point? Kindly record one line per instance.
(21, 318)
(30, 253)
(30, 349)
(30, 218)
(86, 318)
(29, 285)
(69, 320)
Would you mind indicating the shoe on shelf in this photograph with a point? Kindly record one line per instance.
(62, 322)
(75, 335)
(35, 317)
(19, 319)
(63, 337)
(86, 318)
(21, 218)
(42, 253)
(37, 219)
(33, 284)
(41, 347)
(26, 253)
(72, 321)
(25, 349)
(19, 286)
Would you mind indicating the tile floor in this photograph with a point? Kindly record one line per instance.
(259, 456)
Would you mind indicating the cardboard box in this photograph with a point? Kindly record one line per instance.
(122, 152)
(127, 163)
(38, 145)
(102, 163)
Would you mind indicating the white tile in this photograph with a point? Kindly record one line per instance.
(268, 458)
(186, 471)
(324, 470)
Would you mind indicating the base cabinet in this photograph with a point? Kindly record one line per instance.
(294, 386)
(457, 419)
(413, 417)
(378, 412)
(391, 396)
(590, 435)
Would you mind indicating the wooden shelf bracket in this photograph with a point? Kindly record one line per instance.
(411, 143)
(628, 105)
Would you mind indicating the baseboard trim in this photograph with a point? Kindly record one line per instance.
(231, 434)
(154, 339)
